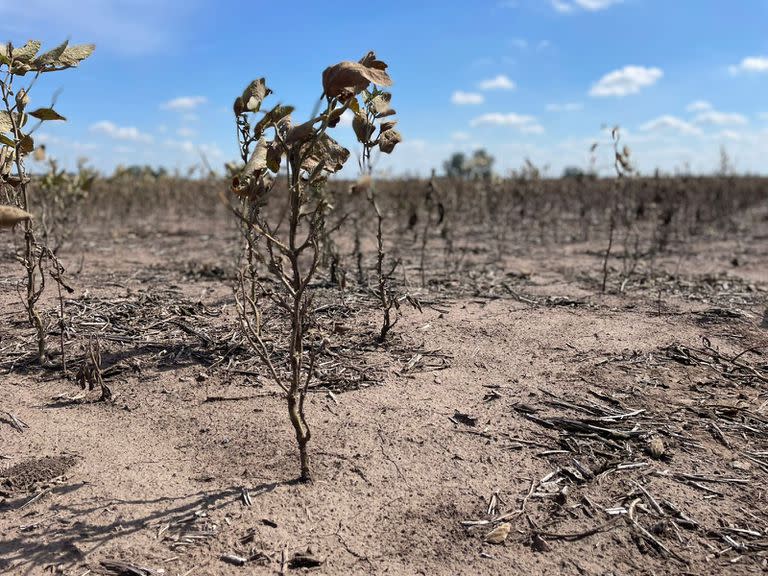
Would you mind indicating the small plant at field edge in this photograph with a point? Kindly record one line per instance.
(289, 248)
(59, 194)
(16, 142)
(623, 168)
(384, 137)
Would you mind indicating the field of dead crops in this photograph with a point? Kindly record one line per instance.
(575, 382)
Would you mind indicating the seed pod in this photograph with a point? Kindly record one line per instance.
(11, 215)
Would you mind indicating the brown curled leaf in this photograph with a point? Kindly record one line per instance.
(347, 79)
(388, 140)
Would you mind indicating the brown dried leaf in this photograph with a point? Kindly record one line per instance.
(346, 79)
(254, 95)
(300, 133)
(258, 160)
(388, 140)
(274, 116)
(380, 104)
(363, 129)
(27, 52)
(274, 156)
(328, 151)
(499, 534)
(335, 116)
(388, 125)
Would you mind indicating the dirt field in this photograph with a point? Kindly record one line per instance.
(617, 433)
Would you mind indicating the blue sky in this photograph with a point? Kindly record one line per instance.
(523, 78)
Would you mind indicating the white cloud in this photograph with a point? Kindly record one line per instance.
(49, 140)
(184, 103)
(670, 123)
(532, 129)
(595, 5)
(567, 107)
(589, 5)
(110, 129)
(183, 145)
(751, 64)
(715, 118)
(346, 118)
(699, 106)
(186, 132)
(463, 98)
(730, 135)
(525, 124)
(562, 7)
(499, 82)
(189, 147)
(627, 80)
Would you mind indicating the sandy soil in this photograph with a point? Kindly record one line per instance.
(615, 434)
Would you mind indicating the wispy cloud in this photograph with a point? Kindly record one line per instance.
(499, 82)
(464, 98)
(189, 147)
(698, 106)
(346, 118)
(673, 123)
(751, 64)
(716, 118)
(567, 7)
(567, 107)
(183, 103)
(523, 123)
(626, 81)
(116, 132)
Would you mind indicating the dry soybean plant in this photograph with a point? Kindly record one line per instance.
(59, 195)
(16, 143)
(283, 236)
(375, 130)
(623, 168)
